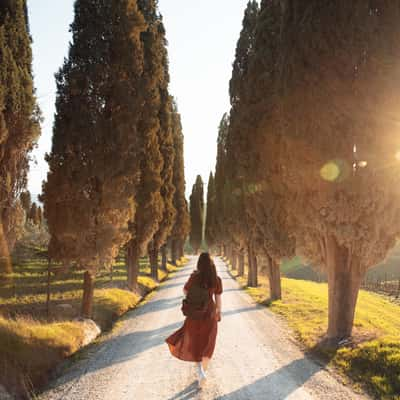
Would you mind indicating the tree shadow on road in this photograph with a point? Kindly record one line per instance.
(240, 310)
(280, 384)
(233, 290)
(187, 393)
(155, 306)
(170, 285)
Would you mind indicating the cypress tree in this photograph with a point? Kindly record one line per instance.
(33, 213)
(39, 216)
(197, 214)
(256, 113)
(210, 234)
(89, 196)
(181, 227)
(167, 191)
(19, 116)
(16, 220)
(340, 66)
(240, 160)
(244, 50)
(150, 207)
(220, 178)
(26, 202)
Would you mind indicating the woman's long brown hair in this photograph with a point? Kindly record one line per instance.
(207, 273)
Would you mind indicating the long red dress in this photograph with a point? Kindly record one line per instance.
(196, 339)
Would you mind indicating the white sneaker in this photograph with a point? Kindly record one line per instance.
(202, 377)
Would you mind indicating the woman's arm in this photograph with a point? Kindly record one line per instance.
(218, 303)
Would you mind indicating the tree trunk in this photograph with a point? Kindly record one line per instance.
(250, 265)
(254, 279)
(181, 250)
(229, 249)
(88, 291)
(274, 277)
(132, 262)
(173, 252)
(224, 250)
(5, 260)
(344, 279)
(153, 258)
(48, 292)
(164, 258)
(241, 264)
(234, 260)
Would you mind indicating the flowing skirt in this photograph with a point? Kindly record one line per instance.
(195, 340)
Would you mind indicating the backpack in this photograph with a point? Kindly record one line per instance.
(196, 303)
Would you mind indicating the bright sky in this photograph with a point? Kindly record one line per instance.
(202, 36)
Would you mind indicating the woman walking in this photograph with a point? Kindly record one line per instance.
(195, 341)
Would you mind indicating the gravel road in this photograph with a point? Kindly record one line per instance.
(255, 357)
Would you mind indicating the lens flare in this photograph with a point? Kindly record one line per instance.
(330, 171)
(362, 164)
(397, 156)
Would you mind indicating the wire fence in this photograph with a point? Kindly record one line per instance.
(386, 285)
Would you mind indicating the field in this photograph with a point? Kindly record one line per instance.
(28, 328)
(371, 359)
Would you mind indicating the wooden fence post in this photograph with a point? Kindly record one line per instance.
(48, 287)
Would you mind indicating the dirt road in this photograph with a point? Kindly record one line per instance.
(255, 357)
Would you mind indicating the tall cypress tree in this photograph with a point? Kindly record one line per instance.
(255, 112)
(220, 180)
(353, 67)
(26, 201)
(89, 195)
(244, 50)
(166, 141)
(210, 231)
(181, 227)
(245, 182)
(197, 214)
(19, 115)
(33, 213)
(150, 205)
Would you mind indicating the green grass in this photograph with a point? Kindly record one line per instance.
(373, 358)
(26, 330)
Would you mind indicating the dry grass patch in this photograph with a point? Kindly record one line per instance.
(31, 349)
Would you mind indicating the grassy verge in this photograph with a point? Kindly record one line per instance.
(32, 343)
(372, 360)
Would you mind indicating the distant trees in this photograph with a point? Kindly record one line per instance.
(19, 118)
(197, 214)
(26, 201)
(91, 188)
(310, 161)
(33, 213)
